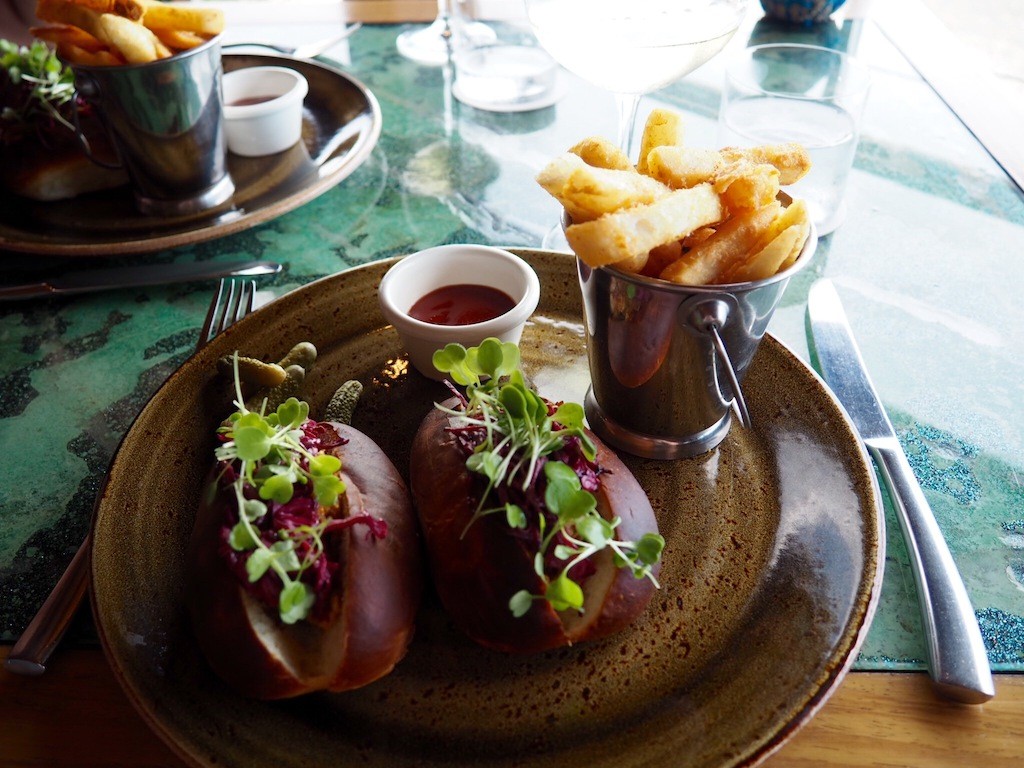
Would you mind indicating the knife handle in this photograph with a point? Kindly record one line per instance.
(26, 291)
(30, 654)
(958, 662)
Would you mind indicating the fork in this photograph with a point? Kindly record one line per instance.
(232, 302)
(306, 50)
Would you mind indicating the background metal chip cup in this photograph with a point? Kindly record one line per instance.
(164, 119)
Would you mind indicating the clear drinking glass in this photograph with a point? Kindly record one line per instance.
(513, 73)
(807, 94)
(433, 45)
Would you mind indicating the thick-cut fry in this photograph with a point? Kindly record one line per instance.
(682, 167)
(555, 176)
(660, 257)
(768, 260)
(601, 153)
(203, 21)
(179, 39)
(61, 12)
(791, 159)
(129, 9)
(66, 35)
(137, 44)
(795, 213)
(628, 233)
(601, 190)
(73, 54)
(732, 241)
(663, 128)
(697, 237)
(587, 192)
(745, 186)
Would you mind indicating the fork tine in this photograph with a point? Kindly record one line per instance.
(230, 306)
(233, 301)
(212, 321)
(246, 297)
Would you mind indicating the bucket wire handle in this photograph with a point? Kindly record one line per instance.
(710, 317)
(85, 87)
(738, 403)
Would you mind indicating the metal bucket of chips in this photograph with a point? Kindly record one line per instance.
(667, 361)
(164, 118)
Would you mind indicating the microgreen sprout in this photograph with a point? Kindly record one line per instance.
(39, 85)
(516, 440)
(267, 454)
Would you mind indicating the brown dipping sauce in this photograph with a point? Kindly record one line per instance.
(462, 304)
(250, 100)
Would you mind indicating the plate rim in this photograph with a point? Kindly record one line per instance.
(817, 693)
(204, 231)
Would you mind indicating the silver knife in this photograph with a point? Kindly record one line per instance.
(957, 660)
(108, 278)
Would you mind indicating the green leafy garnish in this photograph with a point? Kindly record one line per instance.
(34, 87)
(516, 432)
(267, 452)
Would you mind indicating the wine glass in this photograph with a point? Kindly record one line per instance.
(433, 45)
(633, 47)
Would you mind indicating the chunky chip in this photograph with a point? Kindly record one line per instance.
(129, 9)
(682, 167)
(601, 153)
(663, 128)
(63, 34)
(791, 160)
(767, 261)
(708, 262)
(204, 21)
(744, 185)
(587, 192)
(629, 233)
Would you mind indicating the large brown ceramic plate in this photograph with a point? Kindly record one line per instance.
(771, 572)
(341, 125)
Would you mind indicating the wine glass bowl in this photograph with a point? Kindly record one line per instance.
(633, 47)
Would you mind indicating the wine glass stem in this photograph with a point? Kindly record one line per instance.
(444, 14)
(627, 104)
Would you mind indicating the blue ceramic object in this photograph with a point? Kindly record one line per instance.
(805, 12)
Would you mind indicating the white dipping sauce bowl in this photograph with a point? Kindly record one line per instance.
(273, 124)
(424, 271)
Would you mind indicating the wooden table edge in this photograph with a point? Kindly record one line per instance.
(77, 715)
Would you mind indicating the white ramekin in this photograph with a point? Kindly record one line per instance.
(268, 127)
(424, 271)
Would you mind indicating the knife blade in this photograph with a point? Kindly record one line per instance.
(108, 278)
(957, 660)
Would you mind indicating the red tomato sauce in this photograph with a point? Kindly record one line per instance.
(462, 304)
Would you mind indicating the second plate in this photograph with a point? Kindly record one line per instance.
(341, 125)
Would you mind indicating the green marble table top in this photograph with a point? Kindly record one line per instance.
(928, 262)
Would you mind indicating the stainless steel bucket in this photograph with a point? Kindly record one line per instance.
(667, 361)
(165, 121)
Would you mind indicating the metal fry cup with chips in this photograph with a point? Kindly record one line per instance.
(667, 361)
(682, 260)
(152, 73)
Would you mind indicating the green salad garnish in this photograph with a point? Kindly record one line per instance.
(538, 464)
(35, 88)
(281, 483)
